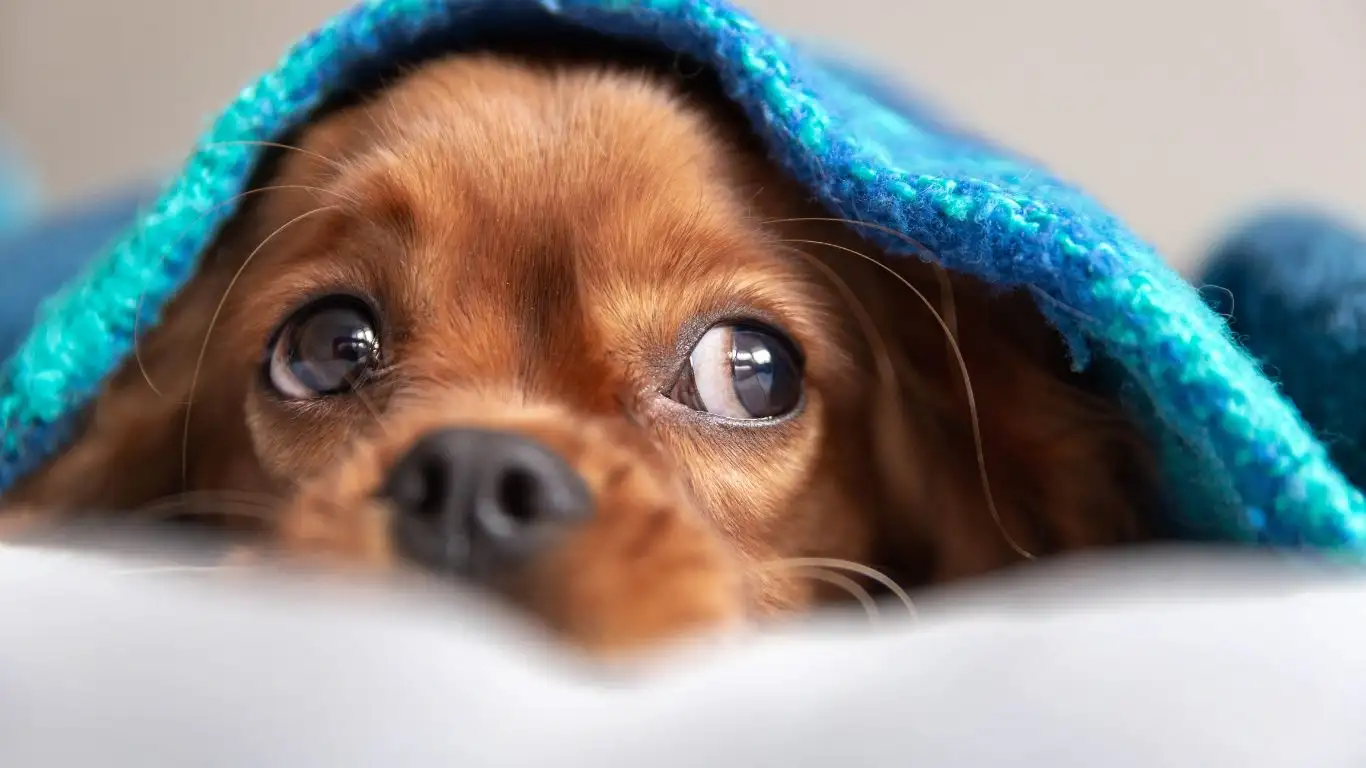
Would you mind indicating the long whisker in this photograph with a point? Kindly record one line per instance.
(915, 244)
(967, 385)
(370, 408)
(922, 251)
(948, 305)
(249, 496)
(837, 564)
(204, 348)
(847, 584)
(137, 316)
(333, 164)
(886, 370)
(212, 504)
(947, 302)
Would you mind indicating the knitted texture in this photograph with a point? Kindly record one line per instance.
(1243, 464)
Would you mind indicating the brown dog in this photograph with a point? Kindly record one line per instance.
(562, 330)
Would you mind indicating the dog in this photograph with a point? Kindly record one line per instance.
(564, 331)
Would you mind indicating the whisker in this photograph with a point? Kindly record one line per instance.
(888, 380)
(848, 585)
(370, 408)
(923, 251)
(334, 164)
(911, 241)
(213, 320)
(137, 316)
(222, 493)
(188, 505)
(837, 564)
(948, 305)
(967, 385)
(886, 370)
(359, 381)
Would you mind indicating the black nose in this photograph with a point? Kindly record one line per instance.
(479, 503)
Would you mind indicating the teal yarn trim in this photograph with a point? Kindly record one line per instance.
(1242, 460)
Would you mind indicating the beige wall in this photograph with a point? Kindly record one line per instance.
(1178, 113)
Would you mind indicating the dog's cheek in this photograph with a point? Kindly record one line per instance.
(749, 479)
(332, 518)
(267, 442)
(290, 449)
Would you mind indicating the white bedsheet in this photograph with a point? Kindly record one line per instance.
(1164, 660)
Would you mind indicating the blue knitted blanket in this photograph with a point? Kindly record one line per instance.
(1242, 462)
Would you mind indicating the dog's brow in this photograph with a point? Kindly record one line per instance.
(388, 202)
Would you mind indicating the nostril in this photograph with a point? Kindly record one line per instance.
(519, 495)
(420, 486)
(526, 494)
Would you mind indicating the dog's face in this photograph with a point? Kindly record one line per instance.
(562, 333)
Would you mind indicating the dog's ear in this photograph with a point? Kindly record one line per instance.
(990, 448)
(133, 447)
(127, 451)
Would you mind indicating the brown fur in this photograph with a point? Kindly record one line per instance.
(545, 243)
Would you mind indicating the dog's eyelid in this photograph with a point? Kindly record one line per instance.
(375, 309)
(747, 315)
(329, 294)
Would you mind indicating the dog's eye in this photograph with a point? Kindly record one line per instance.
(741, 372)
(323, 349)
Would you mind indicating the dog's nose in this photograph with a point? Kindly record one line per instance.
(479, 502)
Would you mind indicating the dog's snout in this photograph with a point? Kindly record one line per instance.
(479, 502)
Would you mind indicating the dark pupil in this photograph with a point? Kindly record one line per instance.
(766, 378)
(331, 349)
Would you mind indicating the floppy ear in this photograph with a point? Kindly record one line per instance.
(127, 451)
(133, 447)
(991, 449)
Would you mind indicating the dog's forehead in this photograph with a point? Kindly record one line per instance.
(492, 141)
(481, 164)
(506, 206)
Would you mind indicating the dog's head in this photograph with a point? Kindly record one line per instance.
(565, 332)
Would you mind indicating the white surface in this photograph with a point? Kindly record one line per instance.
(1159, 663)
(1177, 113)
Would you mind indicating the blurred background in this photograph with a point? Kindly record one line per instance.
(1179, 114)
